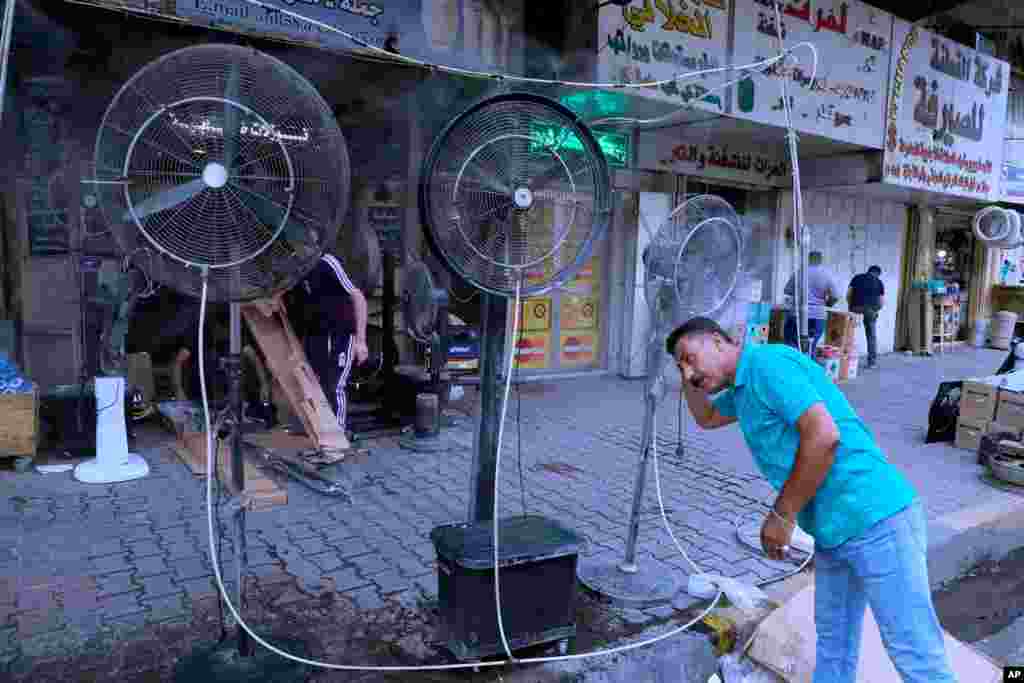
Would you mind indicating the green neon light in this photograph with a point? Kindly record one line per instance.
(595, 103)
(614, 146)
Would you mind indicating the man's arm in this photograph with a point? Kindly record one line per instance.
(704, 412)
(819, 438)
(359, 303)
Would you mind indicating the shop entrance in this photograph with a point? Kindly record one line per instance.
(956, 253)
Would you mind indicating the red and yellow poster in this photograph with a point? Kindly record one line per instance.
(536, 314)
(532, 351)
(579, 312)
(586, 282)
(579, 349)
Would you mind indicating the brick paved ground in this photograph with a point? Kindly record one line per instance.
(76, 559)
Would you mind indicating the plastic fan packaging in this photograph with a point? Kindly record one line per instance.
(11, 379)
(741, 595)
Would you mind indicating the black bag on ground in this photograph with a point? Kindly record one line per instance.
(944, 413)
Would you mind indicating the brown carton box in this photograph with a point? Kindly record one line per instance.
(1010, 410)
(978, 399)
(969, 433)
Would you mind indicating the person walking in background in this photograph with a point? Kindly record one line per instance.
(822, 292)
(866, 296)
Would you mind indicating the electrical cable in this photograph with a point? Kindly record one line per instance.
(394, 56)
(206, 415)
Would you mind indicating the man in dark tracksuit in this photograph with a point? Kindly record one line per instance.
(866, 296)
(329, 313)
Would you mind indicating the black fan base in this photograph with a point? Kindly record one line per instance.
(223, 664)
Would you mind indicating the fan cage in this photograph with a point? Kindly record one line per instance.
(285, 191)
(515, 194)
(695, 260)
(419, 309)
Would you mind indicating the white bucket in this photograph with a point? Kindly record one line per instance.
(1003, 324)
(980, 332)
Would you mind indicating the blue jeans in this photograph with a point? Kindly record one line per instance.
(885, 567)
(815, 329)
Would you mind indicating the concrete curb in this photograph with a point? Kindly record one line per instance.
(961, 539)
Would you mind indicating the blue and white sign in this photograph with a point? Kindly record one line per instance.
(464, 33)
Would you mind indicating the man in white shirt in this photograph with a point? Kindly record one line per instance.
(822, 292)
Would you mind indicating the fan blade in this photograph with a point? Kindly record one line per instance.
(231, 127)
(167, 199)
(270, 213)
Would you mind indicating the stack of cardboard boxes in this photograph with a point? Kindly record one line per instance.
(988, 405)
(840, 333)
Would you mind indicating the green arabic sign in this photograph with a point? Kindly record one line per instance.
(614, 146)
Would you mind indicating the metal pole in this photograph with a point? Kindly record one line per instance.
(485, 456)
(650, 405)
(5, 51)
(234, 367)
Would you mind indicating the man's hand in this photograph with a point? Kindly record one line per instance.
(775, 535)
(360, 350)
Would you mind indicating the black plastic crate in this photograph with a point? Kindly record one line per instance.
(538, 584)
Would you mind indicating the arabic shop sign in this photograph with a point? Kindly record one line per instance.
(206, 129)
(614, 146)
(372, 21)
(846, 99)
(946, 118)
(730, 161)
(657, 41)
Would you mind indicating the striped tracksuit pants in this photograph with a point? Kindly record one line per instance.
(330, 355)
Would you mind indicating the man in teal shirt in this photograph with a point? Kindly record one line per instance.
(833, 479)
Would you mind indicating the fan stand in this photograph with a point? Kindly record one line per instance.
(113, 463)
(628, 581)
(239, 661)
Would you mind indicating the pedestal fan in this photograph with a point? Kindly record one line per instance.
(691, 268)
(230, 167)
(425, 316)
(499, 197)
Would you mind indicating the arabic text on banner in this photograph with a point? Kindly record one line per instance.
(846, 99)
(652, 40)
(946, 120)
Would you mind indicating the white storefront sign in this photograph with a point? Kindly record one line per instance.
(724, 159)
(946, 116)
(846, 99)
(652, 41)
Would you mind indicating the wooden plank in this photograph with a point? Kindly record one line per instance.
(287, 361)
(261, 492)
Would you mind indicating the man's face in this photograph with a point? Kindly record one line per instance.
(704, 362)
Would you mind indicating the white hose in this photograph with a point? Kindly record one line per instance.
(211, 474)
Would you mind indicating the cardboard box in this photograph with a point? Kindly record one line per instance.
(840, 329)
(1010, 410)
(969, 433)
(848, 366)
(19, 424)
(978, 399)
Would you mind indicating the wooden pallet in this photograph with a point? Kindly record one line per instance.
(268, 321)
(261, 492)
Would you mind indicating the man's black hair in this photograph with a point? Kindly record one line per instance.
(694, 326)
(876, 270)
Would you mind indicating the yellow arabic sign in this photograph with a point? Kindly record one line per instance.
(694, 22)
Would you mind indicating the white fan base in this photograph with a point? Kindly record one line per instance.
(112, 469)
(113, 463)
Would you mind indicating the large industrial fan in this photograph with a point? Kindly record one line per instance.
(229, 167)
(425, 316)
(692, 267)
(499, 197)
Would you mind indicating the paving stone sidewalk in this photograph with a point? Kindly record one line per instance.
(76, 559)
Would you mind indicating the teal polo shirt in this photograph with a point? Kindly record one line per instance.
(775, 385)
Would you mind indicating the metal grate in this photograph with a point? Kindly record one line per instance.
(515, 190)
(220, 157)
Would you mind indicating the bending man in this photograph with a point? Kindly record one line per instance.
(865, 516)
